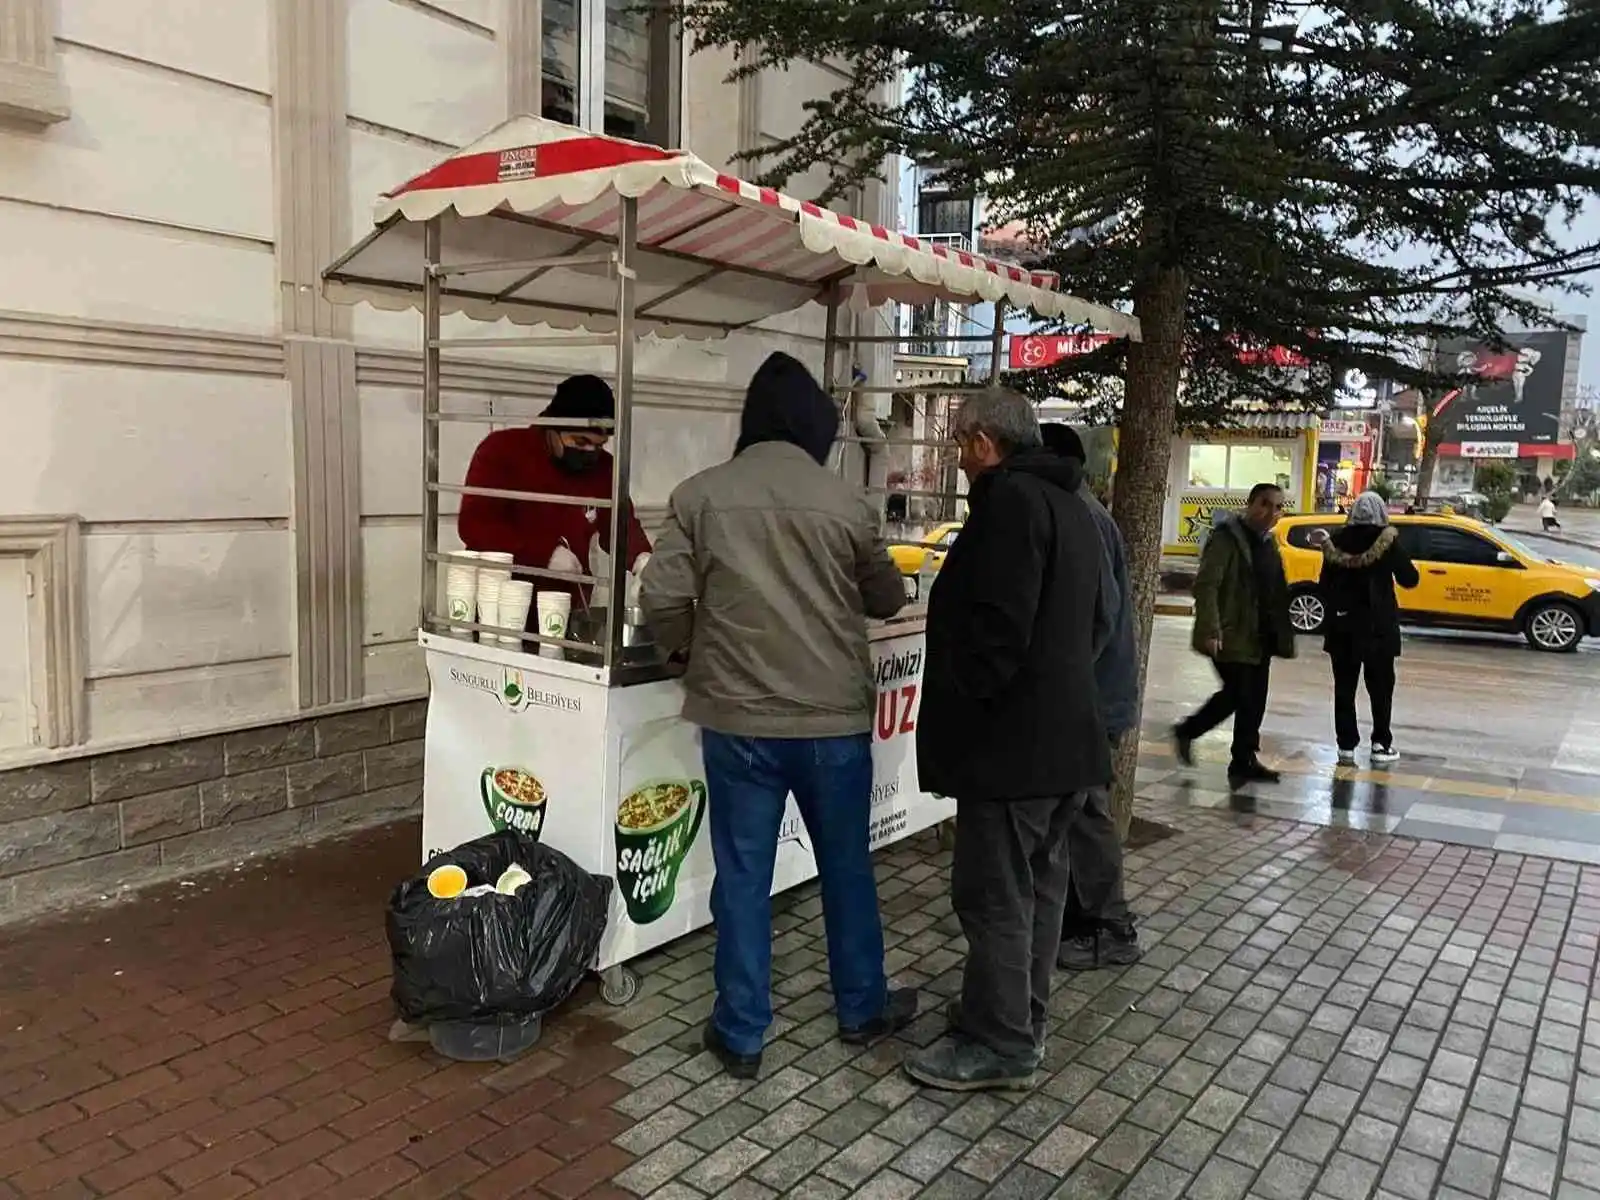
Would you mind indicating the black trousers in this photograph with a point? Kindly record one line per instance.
(1243, 696)
(1551, 523)
(1008, 885)
(1348, 668)
(1095, 899)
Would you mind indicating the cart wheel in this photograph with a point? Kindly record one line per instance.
(618, 986)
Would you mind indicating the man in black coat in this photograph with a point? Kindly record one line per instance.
(1011, 727)
(1098, 929)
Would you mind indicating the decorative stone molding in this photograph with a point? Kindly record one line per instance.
(31, 91)
(55, 573)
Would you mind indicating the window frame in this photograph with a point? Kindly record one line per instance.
(1433, 530)
(664, 68)
(51, 549)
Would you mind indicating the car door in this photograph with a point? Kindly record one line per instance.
(1465, 577)
(945, 539)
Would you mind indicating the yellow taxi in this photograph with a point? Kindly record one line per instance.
(1473, 577)
(917, 560)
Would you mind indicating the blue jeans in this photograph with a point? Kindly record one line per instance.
(749, 781)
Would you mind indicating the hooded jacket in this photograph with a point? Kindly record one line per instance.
(1010, 708)
(1229, 604)
(1361, 566)
(767, 571)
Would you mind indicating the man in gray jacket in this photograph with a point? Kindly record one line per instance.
(1098, 928)
(767, 572)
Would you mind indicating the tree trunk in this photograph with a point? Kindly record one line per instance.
(1144, 454)
(1425, 464)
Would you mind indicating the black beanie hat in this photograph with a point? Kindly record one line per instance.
(583, 398)
(1063, 440)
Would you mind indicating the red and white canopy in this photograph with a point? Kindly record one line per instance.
(714, 253)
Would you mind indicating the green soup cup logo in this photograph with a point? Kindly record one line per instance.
(514, 799)
(656, 824)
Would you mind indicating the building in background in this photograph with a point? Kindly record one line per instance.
(1512, 410)
(209, 515)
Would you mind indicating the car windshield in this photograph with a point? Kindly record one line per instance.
(1520, 546)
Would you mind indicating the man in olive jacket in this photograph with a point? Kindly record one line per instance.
(1241, 623)
(766, 574)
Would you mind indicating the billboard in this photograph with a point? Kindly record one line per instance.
(1511, 408)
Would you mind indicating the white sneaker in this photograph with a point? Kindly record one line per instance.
(1347, 758)
(1382, 756)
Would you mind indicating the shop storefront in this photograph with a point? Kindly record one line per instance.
(1344, 462)
(1216, 470)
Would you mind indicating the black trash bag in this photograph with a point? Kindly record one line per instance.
(486, 958)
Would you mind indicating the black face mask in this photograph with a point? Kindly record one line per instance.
(577, 459)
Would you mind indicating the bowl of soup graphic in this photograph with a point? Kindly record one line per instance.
(514, 799)
(656, 825)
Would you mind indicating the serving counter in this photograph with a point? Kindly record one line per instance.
(611, 775)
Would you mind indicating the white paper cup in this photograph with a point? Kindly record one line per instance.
(516, 596)
(554, 610)
(461, 596)
(488, 614)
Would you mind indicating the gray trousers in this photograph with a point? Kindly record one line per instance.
(1095, 900)
(1009, 884)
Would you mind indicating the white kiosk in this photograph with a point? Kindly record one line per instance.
(605, 240)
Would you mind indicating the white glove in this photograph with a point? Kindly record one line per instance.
(565, 560)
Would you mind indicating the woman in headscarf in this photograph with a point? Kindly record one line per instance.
(1362, 564)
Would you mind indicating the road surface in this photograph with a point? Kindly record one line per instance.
(1461, 697)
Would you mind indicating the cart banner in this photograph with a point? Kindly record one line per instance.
(506, 749)
(614, 779)
(659, 846)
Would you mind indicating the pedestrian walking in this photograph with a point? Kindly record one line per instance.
(766, 574)
(1241, 623)
(1362, 563)
(1547, 512)
(1098, 928)
(1011, 727)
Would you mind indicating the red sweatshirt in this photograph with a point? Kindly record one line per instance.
(519, 460)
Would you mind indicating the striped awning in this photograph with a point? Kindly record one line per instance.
(715, 253)
(1284, 423)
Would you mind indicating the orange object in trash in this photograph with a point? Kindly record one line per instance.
(447, 882)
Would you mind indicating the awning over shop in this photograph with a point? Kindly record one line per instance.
(714, 253)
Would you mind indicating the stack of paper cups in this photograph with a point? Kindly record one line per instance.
(516, 596)
(554, 609)
(461, 593)
(490, 582)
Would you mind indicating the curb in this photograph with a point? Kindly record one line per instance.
(1553, 537)
(1166, 607)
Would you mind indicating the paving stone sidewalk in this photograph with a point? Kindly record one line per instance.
(1321, 1012)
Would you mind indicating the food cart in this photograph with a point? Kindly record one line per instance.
(601, 241)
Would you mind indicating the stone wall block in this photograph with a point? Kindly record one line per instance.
(35, 791)
(272, 746)
(352, 731)
(160, 815)
(324, 779)
(56, 838)
(156, 768)
(243, 797)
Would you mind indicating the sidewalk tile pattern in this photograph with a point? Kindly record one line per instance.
(1328, 1013)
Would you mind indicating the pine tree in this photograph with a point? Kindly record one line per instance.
(1349, 181)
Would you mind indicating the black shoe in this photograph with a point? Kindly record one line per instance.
(899, 1010)
(957, 1064)
(1183, 745)
(1090, 952)
(1254, 771)
(740, 1066)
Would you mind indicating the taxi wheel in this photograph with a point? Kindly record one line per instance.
(1553, 626)
(1307, 611)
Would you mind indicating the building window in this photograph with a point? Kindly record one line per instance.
(1238, 468)
(612, 65)
(946, 215)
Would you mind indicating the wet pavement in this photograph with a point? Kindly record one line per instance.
(1376, 998)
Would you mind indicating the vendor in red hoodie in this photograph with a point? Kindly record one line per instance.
(555, 461)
